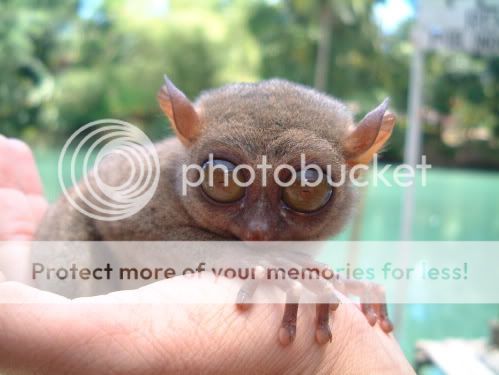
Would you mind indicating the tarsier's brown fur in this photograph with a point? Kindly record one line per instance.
(237, 122)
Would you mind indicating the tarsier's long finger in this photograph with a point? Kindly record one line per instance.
(249, 287)
(330, 302)
(243, 299)
(333, 301)
(368, 310)
(381, 308)
(314, 280)
(383, 319)
(325, 292)
(372, 301)
(287, 332)
(245, 294)
(323, 331)
(325, 288)
(360, 289)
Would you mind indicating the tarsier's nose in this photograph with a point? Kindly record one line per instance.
(257, 231)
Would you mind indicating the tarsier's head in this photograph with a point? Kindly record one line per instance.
(276, 129)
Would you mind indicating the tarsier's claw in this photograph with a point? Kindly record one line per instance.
(334, 306)
(323, 335)
(287, 334)
(370, 314)
(245, 294)
(386, 325)
(384, 322)
(243, 300)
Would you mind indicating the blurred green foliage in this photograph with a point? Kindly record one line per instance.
(64, 64)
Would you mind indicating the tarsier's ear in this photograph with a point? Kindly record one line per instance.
(369, 136)
(183, 117)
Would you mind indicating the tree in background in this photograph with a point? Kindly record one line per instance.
(62, 69)
(29, 55)
(333, 44)
(66, 64)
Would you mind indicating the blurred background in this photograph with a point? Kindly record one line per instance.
(64, 64)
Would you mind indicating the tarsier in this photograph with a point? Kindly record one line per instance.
(239, 123)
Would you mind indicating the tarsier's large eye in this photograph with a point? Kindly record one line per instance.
(306, 199)
(223, 188)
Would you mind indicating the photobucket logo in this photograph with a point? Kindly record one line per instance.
(389, 175)
(95, 197)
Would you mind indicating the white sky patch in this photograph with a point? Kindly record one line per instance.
(146, 9)
(88, 8)
(390, 14)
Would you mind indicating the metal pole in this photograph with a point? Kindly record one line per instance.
(412, 151)
(324, 47)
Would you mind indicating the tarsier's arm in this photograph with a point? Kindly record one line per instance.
(62, 222)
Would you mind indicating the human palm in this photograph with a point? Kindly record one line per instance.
(44, 333)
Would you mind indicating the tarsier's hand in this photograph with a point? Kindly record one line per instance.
(45, 333)
(328, 292)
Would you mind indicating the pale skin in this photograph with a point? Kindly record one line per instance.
(112, 334)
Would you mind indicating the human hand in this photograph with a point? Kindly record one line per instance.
(116, 334)
(22, 203)
(45, 333)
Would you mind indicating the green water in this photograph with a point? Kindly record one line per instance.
(455, 205)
